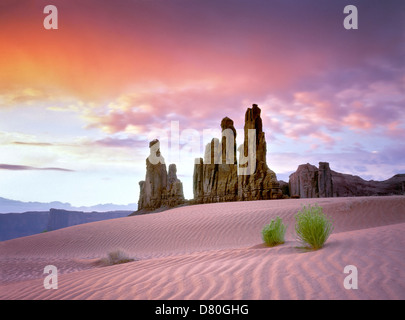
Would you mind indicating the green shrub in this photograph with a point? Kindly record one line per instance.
(273, 233)
(116, 257)
(312, 226)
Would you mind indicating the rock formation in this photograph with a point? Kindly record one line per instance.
(310, 182)
(325, 182)
(346, 185)
(260, 182)
(159, 189)
(175, 194)
(198, 177)
(217, 177)
(15, 225)
(304, 182)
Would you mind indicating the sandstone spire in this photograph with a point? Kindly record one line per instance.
(262, 182)
(215, 177)
(158, 189)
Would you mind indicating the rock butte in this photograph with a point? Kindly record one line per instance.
(310, 182)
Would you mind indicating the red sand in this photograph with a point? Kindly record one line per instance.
(215, 251)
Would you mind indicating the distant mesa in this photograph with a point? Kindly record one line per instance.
(312, 182)
(15, 206)
(20, 219)
(15, 225)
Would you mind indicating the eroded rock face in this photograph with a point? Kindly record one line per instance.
(175, 195)
(304, 182)
(325, 181)
(159, 189)
(216, 176)
(198, 177)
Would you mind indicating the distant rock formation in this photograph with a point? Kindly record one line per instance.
(310, 182)
(15, 225)
(63, 218)
(346, 185)
(304, 182)
(217, 177)
(159, 189)
(15, 206)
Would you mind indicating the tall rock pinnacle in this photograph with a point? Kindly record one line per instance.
(261, 182)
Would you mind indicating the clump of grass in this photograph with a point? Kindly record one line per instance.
(273, 233)
(116, 257)
(312, 226)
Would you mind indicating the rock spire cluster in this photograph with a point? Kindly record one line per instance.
(219, 177)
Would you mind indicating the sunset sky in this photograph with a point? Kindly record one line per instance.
(78, 105)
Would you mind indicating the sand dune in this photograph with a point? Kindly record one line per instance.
(215, 251)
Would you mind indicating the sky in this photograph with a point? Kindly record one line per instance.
(79, 104)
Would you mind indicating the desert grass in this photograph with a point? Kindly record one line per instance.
(313, 227)
(273, 233)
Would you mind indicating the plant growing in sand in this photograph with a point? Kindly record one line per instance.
(312, 226)
(116, 257)
(273, 233)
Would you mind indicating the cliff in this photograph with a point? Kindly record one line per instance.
(14, 225)
(62, 218)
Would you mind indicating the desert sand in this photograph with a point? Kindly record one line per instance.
(215, 251)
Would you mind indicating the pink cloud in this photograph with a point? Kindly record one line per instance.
(150, 108)
(325, 138)
(377, 106)
(357, 121)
